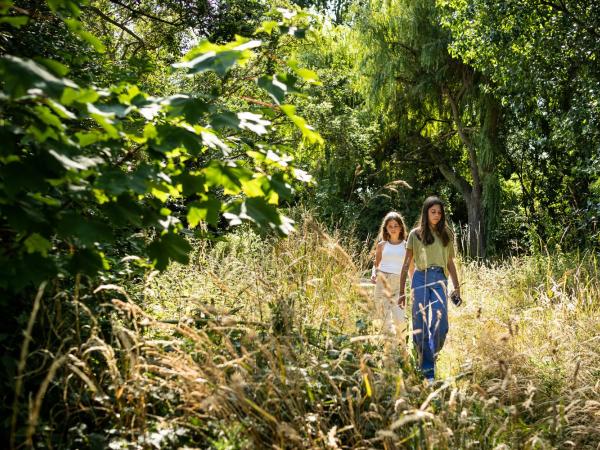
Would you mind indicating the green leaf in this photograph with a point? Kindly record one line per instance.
(258, 211)
(307, 75)
(217, 58)
(299, 33)
(75, 162)
(302, 175)
(167, 247)
(113, 181)
(88, 261)
(278, 184)
(45, 115)
(211, 140)
(307, 131)
(278, 86)
(169, 137)
(254, 186)
(191, 183)
(76, 27)
(87, 231)
(240, 121)
(60, 110)
(104, 119)
(116, 182)
(67, 6)
(59, 69)
(37, 243)
(267, 27)
(253, 122)
(21, 75)
(82, 96)
(46, 200)
(241, 44)
(15, 21)
(89, 138)
(229, 176)
(113, 110)
(192, 109)
(26, 272)
(28, 175)
(216, 62)
(125, 211)
(206, 210)
(9, 138)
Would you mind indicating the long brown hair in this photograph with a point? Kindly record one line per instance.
(441, 229)
(383, 234)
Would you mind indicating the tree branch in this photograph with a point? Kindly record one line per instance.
(117, 24)
(434, 153)
(143, 14)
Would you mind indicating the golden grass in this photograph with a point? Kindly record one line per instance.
(262, 343)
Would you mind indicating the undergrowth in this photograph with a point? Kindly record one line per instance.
(264, 343)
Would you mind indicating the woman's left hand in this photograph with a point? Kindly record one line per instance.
(402, 301)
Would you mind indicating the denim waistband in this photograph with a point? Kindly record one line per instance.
(433, 269)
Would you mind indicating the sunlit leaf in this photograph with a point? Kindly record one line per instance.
(229, 176)
(206, 210)
(37, 243)
(258, 211)
(278, 86)
(307, 131)
(267, 27)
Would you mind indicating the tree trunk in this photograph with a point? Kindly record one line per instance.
(476, 230)
(473, 240)
(475, 243)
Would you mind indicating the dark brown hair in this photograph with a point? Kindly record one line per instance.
(441, 229)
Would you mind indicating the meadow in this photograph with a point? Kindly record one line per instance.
(271, 343)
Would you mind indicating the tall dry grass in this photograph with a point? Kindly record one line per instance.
(261, 343)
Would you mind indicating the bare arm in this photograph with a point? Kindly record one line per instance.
(378, 253)
(453, 274)
(408, 257)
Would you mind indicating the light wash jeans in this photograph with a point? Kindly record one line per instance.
(429, 316)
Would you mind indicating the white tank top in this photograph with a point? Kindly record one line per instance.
(392, 257)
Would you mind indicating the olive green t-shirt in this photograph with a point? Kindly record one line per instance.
(430, 255)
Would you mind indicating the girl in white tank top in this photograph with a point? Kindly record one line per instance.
(389, 257)
(392, 257)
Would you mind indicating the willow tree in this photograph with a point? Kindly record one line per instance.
(434, 103)
(544, 60)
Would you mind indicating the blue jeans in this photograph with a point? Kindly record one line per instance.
(429, 316)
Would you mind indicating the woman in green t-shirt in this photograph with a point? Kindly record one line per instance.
(431, 245)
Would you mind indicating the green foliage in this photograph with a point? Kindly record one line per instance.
(69, 187)
(541, 59)
(433, 107)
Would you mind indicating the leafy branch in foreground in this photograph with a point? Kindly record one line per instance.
(72, 191)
